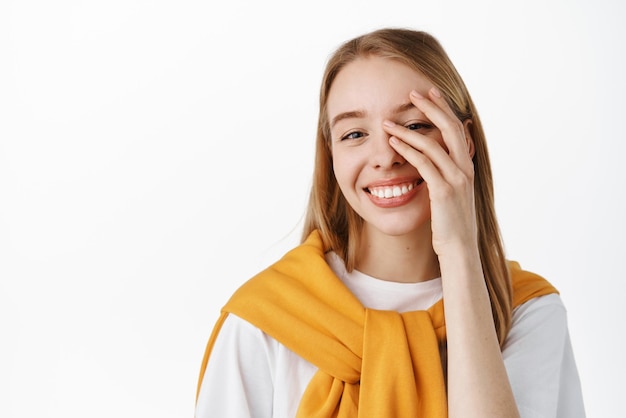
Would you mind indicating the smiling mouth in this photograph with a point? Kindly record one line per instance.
(397, 190)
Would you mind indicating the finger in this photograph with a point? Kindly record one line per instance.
(424, 144)
(465, 147)
(439, 112)
(424, 165)
(436, 108)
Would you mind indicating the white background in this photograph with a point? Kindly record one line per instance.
(156, 154)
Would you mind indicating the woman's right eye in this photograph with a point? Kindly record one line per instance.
(353, 135)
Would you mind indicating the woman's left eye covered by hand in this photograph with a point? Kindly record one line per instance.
(415, 126)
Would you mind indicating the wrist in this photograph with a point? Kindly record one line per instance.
(461, 252)
(462, 263)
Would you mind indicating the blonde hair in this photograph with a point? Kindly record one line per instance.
(329, 212)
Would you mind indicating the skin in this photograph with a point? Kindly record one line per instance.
(389, 124)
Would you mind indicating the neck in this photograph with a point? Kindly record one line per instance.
(406, 259)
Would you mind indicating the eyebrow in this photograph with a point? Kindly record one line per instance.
(356, 114)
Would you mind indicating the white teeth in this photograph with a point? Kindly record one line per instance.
(392, 191)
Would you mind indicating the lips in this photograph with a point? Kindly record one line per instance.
(393, 193)
(396, 190)
(388, 191)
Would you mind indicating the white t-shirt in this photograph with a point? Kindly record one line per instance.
(250, 374)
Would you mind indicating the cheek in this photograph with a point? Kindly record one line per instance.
(346, 168)
(342, 174)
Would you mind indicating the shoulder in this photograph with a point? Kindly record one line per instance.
(527, 285)
(540, 316)
(237, 334)
(546, 305)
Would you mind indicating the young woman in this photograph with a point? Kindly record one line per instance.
(401, 218)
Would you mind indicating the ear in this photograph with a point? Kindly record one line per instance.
(468, 137)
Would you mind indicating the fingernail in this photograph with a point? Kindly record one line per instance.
(415, 94)
(388, 123)
(394, 140)
(435, 92)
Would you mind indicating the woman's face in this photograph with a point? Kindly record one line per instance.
(379, 184)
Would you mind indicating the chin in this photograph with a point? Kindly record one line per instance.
(399, 228)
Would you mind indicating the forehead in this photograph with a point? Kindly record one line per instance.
(374, 84)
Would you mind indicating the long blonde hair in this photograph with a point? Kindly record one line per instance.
(329, 212)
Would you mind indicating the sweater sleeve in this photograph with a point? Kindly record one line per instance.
(540, 363)
(238, 379)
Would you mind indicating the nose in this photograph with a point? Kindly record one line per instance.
(383, 155)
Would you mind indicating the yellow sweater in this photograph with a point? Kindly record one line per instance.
(371, 363)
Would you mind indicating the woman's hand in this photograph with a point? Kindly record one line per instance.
(445, 163)
(478, 385)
